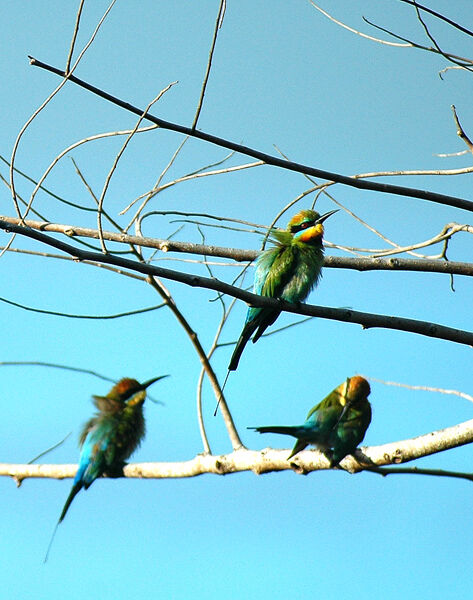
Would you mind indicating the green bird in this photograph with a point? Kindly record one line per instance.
(337, 425)
(289, 271)
(109, 437)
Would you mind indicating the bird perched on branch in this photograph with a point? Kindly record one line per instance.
(288, 271)
(337, 425)
(109, 437)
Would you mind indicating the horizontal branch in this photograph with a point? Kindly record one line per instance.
(241, 255)
(367, 320)
(269, 459)
(267, 158)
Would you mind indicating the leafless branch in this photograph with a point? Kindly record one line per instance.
(267, 158)
(48, 99)
(367, 320)
(434, 41)
(218, 25)
(77, 316)
(385, 471)
(270, 460)
(424, 388)
(48, 450)
(74, 36)
(357, 32)
(36, 363)
(405, 43)
(461, 132)
(242, 255)
(465, 62)
(438, 16)
(150, 194)
(227, 417)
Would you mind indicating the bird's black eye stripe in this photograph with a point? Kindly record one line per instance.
(302, 226)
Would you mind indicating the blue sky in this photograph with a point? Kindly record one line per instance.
(282, 75)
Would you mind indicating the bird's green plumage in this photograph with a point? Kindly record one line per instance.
(336, 425)
(109, 438)
(288, 271)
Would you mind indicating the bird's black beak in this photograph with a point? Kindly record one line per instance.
(151, 381)
(326, 216)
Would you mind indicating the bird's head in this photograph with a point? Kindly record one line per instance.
(127, 387)
(307, 225)
(354, 389)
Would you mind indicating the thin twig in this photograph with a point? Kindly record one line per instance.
(22, 201)
(364, 35)
(424, 388)
(227, 417)
(115, 163)
(199, 173)
(76, 316)
(48, 99)
(48, 450)
(150, 194)
(434, 41)
(385, 471)
(74, 36)
(85, 262)
(438, 16)
(98, 136)
(218, 25)
(36, 363)
(460, 131)
(448, 55)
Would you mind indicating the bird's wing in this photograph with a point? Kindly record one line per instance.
(263, 267)
(325, 415)
(97, 451)
(280, 273)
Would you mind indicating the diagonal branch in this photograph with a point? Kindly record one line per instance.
(267, 158)
(438, 16)
(367, 320)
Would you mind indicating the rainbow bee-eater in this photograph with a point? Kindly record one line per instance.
(110, 436)
(337, 425)
(289, 271)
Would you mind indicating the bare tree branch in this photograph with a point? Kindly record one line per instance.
(267, 158)
(364, 35)
(438, 16)
(242, 255)
(36, 363)
(127, 313)
(465, 62)
(48, 99)
(74, 36)
(385, 471)
(460, 131)
(367, 320)
(424, 388)
(218, 25)
(269, 459)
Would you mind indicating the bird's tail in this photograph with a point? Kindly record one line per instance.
(293, 430)
(247, 332)
(75, 489)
